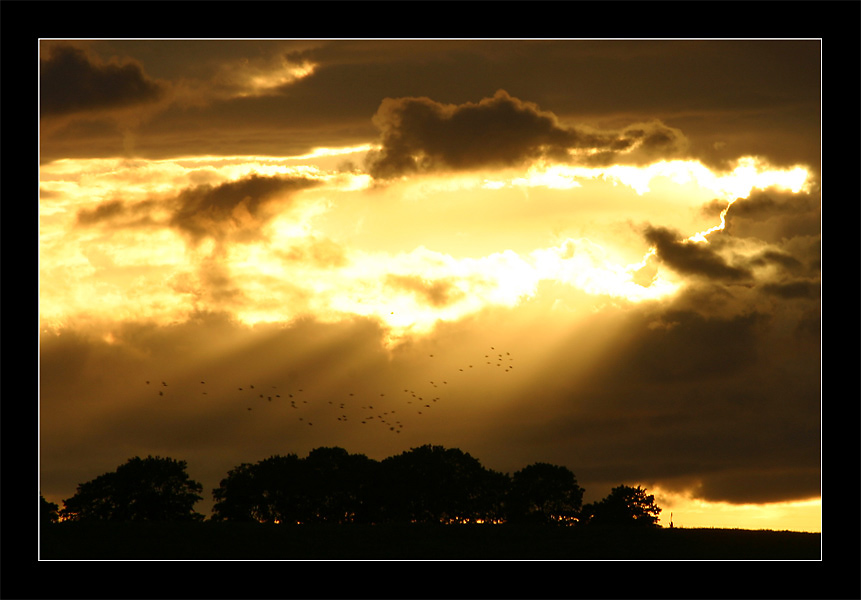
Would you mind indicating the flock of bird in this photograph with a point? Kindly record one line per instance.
(385, 409)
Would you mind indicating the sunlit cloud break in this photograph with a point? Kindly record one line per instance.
(364, 283)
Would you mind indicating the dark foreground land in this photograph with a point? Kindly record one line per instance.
(237, 541)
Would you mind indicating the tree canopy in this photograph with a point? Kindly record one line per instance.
(427, 484)
(142, 489)
(329, 485)
(48, 511)
(437, 484)
(625, 506)
(545, 493)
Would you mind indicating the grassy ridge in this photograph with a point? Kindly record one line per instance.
(212, 541)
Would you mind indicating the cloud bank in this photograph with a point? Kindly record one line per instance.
(70, 81)
(421, 135)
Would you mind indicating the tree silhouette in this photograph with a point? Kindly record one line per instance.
(267, 492)
(544, 493)
(624, 507)
(329, 485)
(48, 511)
(338, 485)
(432, 484)
(428, 484)
(149, 489)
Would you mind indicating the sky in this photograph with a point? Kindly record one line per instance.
(602, 254)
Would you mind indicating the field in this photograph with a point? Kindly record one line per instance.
(240, 541)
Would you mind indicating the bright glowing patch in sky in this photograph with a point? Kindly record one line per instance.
(687, 511)
(409, 291)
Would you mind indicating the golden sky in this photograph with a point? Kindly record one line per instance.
(598, 254)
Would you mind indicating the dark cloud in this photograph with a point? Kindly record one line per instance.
(104, 211)
(69, 82)
(726, 407)
(437, 292)
(757, 486)
(118, 213)
(213, 211)
(793, 289)
(774, 257)
(774, 216)
(730, 97)
(684, 345)
(692, 258)
(656, 141)
(420, 135)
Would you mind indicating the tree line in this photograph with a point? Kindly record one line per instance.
(428, 484)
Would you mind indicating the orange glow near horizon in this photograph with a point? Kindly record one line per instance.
(692, 513)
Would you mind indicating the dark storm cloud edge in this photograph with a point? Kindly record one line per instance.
(785, 225)
(205, 211)
(421, 135)
(758, 97)
(71, 82)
